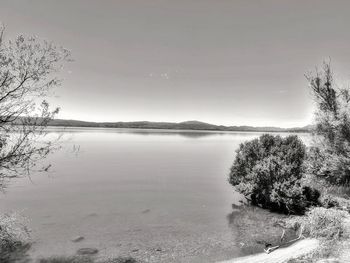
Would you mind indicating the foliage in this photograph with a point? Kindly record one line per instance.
(330, 226)
(268, 171)
(323, 223)
(331, 201)
(14, 236)
(28, 74)
(329, 157)
(323, 161)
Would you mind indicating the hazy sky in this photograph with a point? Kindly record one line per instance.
(220, 61)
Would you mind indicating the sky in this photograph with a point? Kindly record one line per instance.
(230, 62)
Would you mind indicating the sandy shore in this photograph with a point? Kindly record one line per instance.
(298, 249)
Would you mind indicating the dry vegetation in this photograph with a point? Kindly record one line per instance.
(14, 237)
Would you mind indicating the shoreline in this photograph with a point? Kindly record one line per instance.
(178, 130)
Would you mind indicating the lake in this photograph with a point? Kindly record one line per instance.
(156, 195)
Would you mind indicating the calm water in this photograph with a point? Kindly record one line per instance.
(161, 196)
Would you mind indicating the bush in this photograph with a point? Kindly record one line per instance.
(14, 237)
(330, 226)
(332, 201)
(321, 222)
(329, 201)
(269, 171)
(326, 163)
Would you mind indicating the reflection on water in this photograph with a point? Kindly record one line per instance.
(156, 195)
(166, 132)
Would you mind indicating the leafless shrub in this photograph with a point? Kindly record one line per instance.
(28, 73)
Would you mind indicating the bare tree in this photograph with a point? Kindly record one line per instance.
(329, 155)
(28, 73)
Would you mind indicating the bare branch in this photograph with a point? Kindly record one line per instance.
(28, 71)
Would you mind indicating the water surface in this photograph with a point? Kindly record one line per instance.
(157, 195)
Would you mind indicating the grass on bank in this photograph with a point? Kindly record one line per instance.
(321, 223)
(329, 225)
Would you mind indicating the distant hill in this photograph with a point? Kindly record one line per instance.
(186, 125)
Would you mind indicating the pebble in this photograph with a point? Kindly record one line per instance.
(78, 239)
(87, 251)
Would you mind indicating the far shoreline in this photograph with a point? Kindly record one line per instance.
(181, 130)
(193, 125)
(257, 130)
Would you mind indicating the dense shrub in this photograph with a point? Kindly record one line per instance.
(332, 201)
(329, 201)
(328, 164)
(269, 171)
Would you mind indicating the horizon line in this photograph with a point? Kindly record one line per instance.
(179, 122)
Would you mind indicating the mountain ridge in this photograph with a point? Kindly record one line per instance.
(185, 125)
